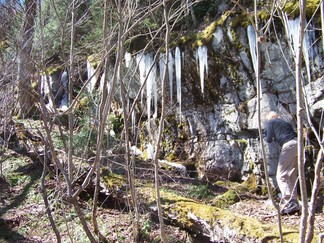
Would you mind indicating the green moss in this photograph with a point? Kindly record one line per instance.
(84, 101)
(172, 156)
(206, 35)
(292, 8)
(263, 15)
(52, 69)
(251, 183)
(238, 187)
(242, 141)
(227, 199)
(112, 180)
(241, 225)
(183, 209)
(186, 38)
(240, 20)
(34, 86)
(94, 59)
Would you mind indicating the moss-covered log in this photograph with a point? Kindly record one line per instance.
(219, 225)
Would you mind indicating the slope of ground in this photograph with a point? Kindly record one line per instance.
(23, 217)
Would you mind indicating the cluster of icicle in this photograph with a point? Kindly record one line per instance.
(46, 84)
(150, 71)
(150, 75)
(310, 50)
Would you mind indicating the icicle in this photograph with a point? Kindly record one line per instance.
(150, 70)
(64, 82)
(102, 82)
(145, 62)
(293, 33)
(150, 151)
(128, 59)
(170, 69)
(178, 75)
(46, 89)
(197, 60)
(162, 67)
(50, 101)
(133, 116)
(44, 86)
(149, 87)
(155, 94)
(312, 50)
(309, 39)
(140, 60)
(252, 44)
(183, 58)
(91, 76)
(202, 55)
(308, 53)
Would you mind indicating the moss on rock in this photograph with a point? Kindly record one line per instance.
(227, 199)
(206, 35)
(215, 222)
(292, 8)
(112, 180)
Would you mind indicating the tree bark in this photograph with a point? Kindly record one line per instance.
(101, 128)
(259, 92)
(25, 67)
(300, 130)
(46, 143)
(315, 190)
(161, 127)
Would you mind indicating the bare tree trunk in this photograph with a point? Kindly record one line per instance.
(161, 126)
(315, 190)
(76, 205)
(73, 199)
(45, 197)
(70, 114)
(259, 91)
(129, 160)
(45, 141)
(317, 175)
(100, 130)
(25, 97)
(102, 123)
(300, 115)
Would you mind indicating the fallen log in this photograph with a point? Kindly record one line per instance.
(218, 225)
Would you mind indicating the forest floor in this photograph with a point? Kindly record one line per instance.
(23, 217)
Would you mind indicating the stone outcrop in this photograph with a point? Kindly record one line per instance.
(216, 126)
(220, 125)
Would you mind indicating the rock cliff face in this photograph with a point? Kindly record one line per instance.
(212, 121)
(218, 130)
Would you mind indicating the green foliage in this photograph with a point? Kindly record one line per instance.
(58, 140)
(146, 229)
(92, 35)
(56, 18)
(85, 139)
(199, 192)
(55, 33)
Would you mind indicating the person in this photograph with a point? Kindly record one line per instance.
(279, 131)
